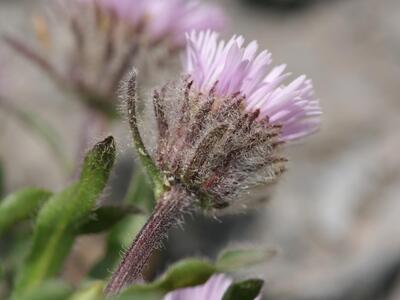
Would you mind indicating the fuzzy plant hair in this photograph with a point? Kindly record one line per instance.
(211, 146)
(221, 129)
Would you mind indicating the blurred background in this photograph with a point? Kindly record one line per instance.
(335, 216)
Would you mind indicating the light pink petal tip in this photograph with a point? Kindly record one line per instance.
(238, 68)
(213, 289)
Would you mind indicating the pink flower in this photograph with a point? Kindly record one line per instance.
(166, 19)
(213, 289)
(234, 68)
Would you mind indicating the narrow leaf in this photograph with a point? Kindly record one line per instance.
(233, 259)
(188, 272)
(105, 217)
(53, 238)
(185, 273)
(57, 221)
(20, 205)
(244, 290)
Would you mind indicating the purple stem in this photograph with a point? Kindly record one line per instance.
(168, 212)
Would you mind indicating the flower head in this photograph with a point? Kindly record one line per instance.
(93, 43)
(222, 127)
(213, 289)
(165, 20)
(232, 68)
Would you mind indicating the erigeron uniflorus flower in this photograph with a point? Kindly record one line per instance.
(221, 131)
(222, 128)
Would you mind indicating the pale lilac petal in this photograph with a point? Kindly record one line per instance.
(213, 289)
(232, 67)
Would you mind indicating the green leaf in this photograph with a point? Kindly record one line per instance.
(105, 217)
(244, 290)
(137, 294)
(53, 238)
(57, 221)
(185, 273)
(188, 272)
(49, 290)
(20, 205)
(94, 291)
(233, 259)
(14, 251)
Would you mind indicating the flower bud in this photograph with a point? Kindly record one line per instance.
(222, 127)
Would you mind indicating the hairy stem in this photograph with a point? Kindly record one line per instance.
(168, 212)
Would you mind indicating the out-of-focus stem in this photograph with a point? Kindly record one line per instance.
(168, 212)
(26, 51)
